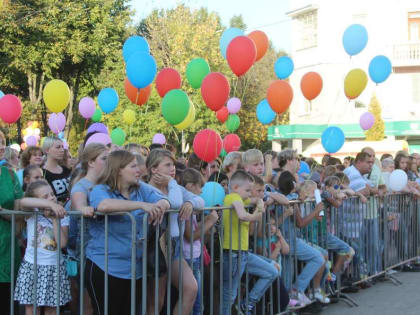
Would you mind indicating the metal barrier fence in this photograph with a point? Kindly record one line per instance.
(384, 234)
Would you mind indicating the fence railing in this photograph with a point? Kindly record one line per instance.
(379, 235)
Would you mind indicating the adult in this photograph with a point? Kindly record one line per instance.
(363, 164)
(201, 166)
(231, 163)
(161, 167)
(416, 158)
(119, 190)
(374, 177)
(289, 161)
(11, 157)
(30, 156)
(2, 148)
(56, 175)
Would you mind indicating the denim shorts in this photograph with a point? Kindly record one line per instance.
(338, 246)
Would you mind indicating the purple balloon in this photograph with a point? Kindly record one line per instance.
(367, 120)
(57, 122)
(87, 107)
(98, 127)
(159, 138)
(234, 105)
(31, 141)
(99, 138)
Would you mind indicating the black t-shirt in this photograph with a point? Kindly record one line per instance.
(59, 183)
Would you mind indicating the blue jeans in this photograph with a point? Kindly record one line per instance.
(337, 245)
(196, 264)
(314, 258)
(372, 246)
(263, 269)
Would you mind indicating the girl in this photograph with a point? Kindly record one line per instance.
(193, 181)
(161, 167)
(31, 173)
(31, 156)
(119, 190)
(40, 195)
(57, 176)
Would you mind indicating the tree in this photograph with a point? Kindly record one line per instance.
(377, 132)
(238, 22)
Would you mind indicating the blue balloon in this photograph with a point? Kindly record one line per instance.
(284, 67)
(264, 112)
(227, 37)
(133, 44)
(304, 168)
(379, 69)
(1, 94)
(355, 38)
(213, 194)
(141, 69)
(61, 135)
(108, 100)
(332, 139)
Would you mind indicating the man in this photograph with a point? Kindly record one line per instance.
(362, 165)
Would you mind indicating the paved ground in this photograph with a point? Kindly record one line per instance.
(384, 298)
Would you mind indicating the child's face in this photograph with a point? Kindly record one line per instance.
(225, 185)
(46, 192)
(390, 168)
(34, 175)
(194, 188)
(258, 191)
(308, 194)
(244, 190)
(256, 168)
(273, 227)
(333, 188)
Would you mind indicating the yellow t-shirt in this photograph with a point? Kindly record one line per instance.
(229, 200)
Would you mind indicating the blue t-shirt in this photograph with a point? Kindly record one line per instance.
(119, 232)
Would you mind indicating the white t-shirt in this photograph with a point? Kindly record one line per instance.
(47, 246)
(357, 181)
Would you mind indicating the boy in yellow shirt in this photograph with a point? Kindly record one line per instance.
(235, 245)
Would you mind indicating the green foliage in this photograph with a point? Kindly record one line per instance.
(377, 132)
(238, 22)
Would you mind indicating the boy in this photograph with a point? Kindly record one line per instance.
(235, 245)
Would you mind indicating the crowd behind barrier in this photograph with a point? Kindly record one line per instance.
(383, 233)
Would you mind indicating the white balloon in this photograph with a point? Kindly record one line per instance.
(37, 131)
(29, 131)
(15, 146)
(398, 180)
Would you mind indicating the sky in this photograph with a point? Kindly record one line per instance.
(265, 15)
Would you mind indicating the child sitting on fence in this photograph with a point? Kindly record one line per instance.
(236, 256)
(40, 195)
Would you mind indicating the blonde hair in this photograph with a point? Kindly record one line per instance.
(49, 142)
(155, 157)
(240, 177)
(90, 153)
(116, 161)
(286, 155)
(229, 159)
(306, 186)
(251, 156)
(330, 170)
(10, 153)
(34, 186)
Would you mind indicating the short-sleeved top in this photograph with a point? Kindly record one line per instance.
(119, 231)
(357, 181)
(46, 242)
(244, 225)
(10, 190)
(375, 178)
(59, 183)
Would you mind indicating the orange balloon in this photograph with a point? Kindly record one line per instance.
(135, 95)
(261, 43)
(311, 85)
(279, 96)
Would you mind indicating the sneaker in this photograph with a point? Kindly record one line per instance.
(333, 277)
(246, 310)
(294, 303)
(320, 296)
(303, 299)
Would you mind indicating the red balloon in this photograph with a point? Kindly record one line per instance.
(207, 145)
(279, 96)
(241, 54)
(10, 108)
(135, 95)
(231, 143)
(215, 90)
(166, 80)
(222, 114)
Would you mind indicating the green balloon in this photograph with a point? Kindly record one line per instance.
(175, 106)
(197, 69)
(97, 115)
(223, 153)
(233, 122)
(118, 136)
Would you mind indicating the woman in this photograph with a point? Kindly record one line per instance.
(10, 191)
(56, 175)
(31, 156)
(12, 158)
(118, 190)
(161, 167)
(92, 163)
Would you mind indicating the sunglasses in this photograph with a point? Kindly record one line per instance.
(336, 187)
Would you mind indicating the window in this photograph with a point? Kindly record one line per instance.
(307, 29)
(414, 26)
(416, 88)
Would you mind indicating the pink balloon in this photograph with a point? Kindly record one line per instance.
(367, 120)
(159, 138)
(87, 107)
(65, 145)
(234, 105)
(99, 138)
(98, 127)
(10, 108)
(31, 141)
(57, 122)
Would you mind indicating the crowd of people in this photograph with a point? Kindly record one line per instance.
(265, 210)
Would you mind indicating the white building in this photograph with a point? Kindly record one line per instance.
(317, 28)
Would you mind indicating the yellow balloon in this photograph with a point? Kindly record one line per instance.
(354, 83)
(188, 120)
(35, 124)
(24, 132)
(129, 116)
(56, 95)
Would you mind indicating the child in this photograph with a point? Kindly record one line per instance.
(40, 195)
(193, 181)
(236, 252)
(31, 174)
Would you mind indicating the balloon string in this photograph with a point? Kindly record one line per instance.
(234, 88)
(85, 125)
(137, 95)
